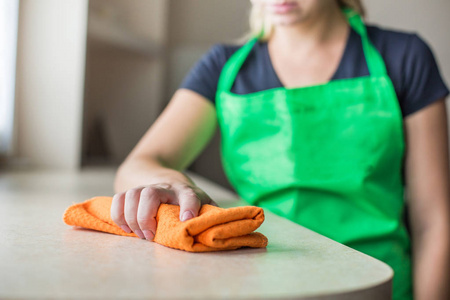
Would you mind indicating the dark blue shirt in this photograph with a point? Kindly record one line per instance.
(409, 62)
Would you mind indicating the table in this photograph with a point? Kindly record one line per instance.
(41, 257)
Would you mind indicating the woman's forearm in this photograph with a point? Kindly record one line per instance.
(136, 172)
(432, 262)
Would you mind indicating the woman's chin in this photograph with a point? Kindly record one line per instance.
(285, 20)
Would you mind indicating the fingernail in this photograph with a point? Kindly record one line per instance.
(187, 215)
(149, 235)
(125, 228)
(139, 233)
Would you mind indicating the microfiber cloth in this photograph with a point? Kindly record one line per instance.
(214, 229)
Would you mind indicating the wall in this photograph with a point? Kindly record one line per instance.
(9, 15)
(49, 84)
(124, 76)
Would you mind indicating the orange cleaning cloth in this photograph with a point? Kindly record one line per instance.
(214, 229)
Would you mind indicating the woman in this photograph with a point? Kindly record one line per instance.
(322, 123)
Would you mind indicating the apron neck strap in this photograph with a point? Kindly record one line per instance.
(374, 60)
(232, 66)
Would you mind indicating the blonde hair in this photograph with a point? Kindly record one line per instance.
(355, 5)
(259, 27)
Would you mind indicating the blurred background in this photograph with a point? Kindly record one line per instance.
(81, 81)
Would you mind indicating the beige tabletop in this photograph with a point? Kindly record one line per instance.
(41, 257)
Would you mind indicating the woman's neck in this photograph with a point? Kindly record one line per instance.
(327, 27)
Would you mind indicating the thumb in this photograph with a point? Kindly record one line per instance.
(189, 204)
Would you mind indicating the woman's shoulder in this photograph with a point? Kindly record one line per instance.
(411, 65)
(387, 34)
(397, 43)
(204, 75)
(220, 53)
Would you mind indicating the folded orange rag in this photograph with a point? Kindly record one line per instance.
(214, 229)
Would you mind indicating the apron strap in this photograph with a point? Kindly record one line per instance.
(374, 60)
(233, 65)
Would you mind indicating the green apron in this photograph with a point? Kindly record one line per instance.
(328, 157)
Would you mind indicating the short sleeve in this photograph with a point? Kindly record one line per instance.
(204, 75)
(421, 82)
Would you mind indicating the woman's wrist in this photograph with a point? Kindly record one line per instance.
(140, 172)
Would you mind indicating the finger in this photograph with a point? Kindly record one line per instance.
(117, 207)
(189, 204)
(150, 199)
(130, 210)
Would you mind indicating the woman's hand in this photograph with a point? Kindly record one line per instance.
(135, 210)
(171, 144)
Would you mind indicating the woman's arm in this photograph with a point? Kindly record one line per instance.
(179, 134)
(427, 180)
(151, 175)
